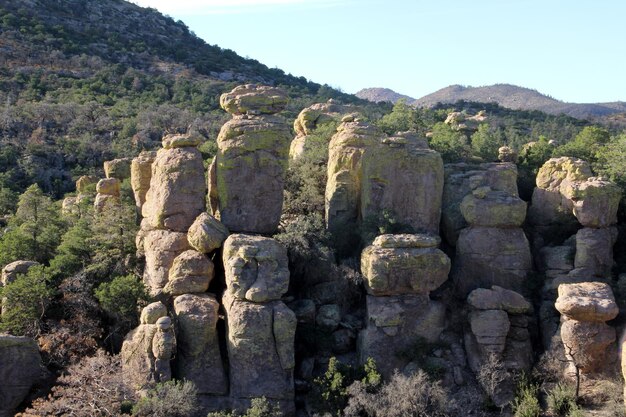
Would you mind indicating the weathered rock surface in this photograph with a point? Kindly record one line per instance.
(488, 208)
(490, 327)
(595, 202)
(254, 99)
(177, 189)
(249, 173)
(404, 264)
(11, 271)
(394, 324)
(140, 175)
(138, 357)
(152, 312)
(20, 369)
(199, 359)
(594, 251)
(256, 268)
(191, 272)
(260, 348)
(83, 183)
(465, 123)
(400, 175)
(343, 188)
(460, 180)
(498, 298)
(587, 301)
(69, 205)
(108, 186)
(507, 154)
(161, 247)
(491, 256)
(117, 168)
(206, 233)
(181, 141)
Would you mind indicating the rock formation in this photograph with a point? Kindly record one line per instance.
(147, 350)
(463, 123)
(400, 271)
(310, 119)
(261, 328)
(497, 336)
(140, 175)
(10, 273)
(589, 343)
(118, 168)
(246, 180)
(108, 190)
(493, 249)
(20, 369)
(206, 233)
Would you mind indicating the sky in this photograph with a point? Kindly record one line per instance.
(572, 50)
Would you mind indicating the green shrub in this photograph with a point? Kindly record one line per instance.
(168, 399)
(562, 399)
(119, 297)
(259, 407)
(526, 403)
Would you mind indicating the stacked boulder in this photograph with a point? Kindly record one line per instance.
(461, 122)
(261, 328)
(567, 197)
(310, 119)
(400, 271)
(71, 205)
(118, 168)
(497, 336)
(20, 369)
(140, 175)
(174, 200)
(493, 249)
(148, 349)
(10, 273)
(108, 196)
(246, 177)
(588, 342)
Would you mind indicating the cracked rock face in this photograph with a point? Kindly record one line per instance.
(256, 268)
(20, 364)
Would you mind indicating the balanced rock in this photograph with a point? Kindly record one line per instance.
(404, 264)
(161, 247)
(343, 188)
(177, 189)
(498, 298)
(260, 348)
(596, 201)
(140, 175)
(392, 168)
(488, 208)
(256, 268)
(587, 301)
(206, 233)
(20, 369)
(117, 168)
(254, 99)
(507, 154)
(163, 349)
(198, 353)
(152, 312)
(462, 122)
(246, 180)
(84, 182)
(461, 180)
(181, 141)
(191, 272)
(108, 186)
(11, 271)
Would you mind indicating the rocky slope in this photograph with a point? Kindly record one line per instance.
(506, 95)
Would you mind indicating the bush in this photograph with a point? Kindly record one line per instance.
(491, 375)
(168, 399)
(403, 396)
(24, 302)
(526, 403)
(382, 223)
(562, 399)
(120, 296)
(259, 407)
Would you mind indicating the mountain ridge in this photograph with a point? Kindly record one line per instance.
(506, 95)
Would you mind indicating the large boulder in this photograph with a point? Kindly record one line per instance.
(177, 189)
(117, 168)
(161, 247)
(140, 175)
(199, 359)
(395, 324)
(84, 182)
(594, 251)
(345, 153)
(247, 177)
(489, 256)
(11, 271)
(462, 122)
(490, 327)
(498, 298)
(206, 233)
(108, 186)
(488, 208)
(400, 175)
(254, 99)
(20, 369)
(256, 268)
(587, 301)
(260, 349)
(460, 180)
(404, 264)
(191, 272)
(596, 201)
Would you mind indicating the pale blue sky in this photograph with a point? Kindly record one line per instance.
(573, 50)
